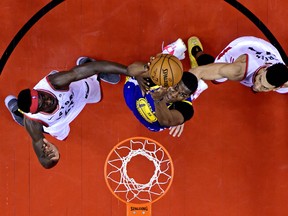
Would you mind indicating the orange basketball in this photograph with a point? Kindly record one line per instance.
(166, 70)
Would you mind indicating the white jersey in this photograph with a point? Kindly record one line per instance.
(259, 53)
(70, 104)
(178, 49)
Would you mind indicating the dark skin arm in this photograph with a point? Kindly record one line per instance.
(141, 77)
(165, 116)
(47, 153)
(63, 79)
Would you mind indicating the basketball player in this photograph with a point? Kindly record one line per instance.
(252, 61)
(159, 108)
(57, 99)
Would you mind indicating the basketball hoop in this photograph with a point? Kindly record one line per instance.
(150, 179)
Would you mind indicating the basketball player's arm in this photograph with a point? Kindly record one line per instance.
(63, 79)
(141, 74)
(167, 117)
(138, 69)
(232, 71)
(47, 153)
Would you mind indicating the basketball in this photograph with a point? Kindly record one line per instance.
(166, 70)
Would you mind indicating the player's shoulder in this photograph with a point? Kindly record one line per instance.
(241, 59)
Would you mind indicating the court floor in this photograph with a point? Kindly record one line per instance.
(231, 160)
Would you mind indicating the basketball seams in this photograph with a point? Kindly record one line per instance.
(166, 70)
(171, 72)
(172, 58)
(163, 61)
(176, 61)
(155, 65)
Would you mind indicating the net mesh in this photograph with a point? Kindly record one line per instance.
(125, 187)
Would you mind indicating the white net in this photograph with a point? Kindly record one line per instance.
(125, 187)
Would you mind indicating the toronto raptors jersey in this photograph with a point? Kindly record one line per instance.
(258, 52)
(70, 104)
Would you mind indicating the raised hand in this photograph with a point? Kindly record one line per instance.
(138, 69)
(50, 151)
(158, 93)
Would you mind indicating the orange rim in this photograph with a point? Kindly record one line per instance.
(139, 138)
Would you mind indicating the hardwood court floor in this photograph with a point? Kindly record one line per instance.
(232, 159)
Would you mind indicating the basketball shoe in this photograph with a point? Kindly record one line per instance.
(194, 46)
(11, 104)
(176, 48)
(109, 78)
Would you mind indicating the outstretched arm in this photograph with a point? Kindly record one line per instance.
(63, 79)
(47, 153)
(232, 71)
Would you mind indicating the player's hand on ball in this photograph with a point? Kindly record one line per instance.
(151, 59)
(165, 70)
(143, 83)
(50, 151)
(138, 69)
(158, 94)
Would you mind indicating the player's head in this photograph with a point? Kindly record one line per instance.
(184, 88)
(190, 81)
(33, 101)
(277, 75)
(270, 78)
(28, 101)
